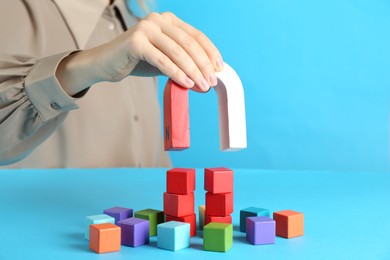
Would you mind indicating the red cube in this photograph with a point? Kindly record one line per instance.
(190, 219)
(178, 205)
(180, 180)
(224, 219)
(219, 204)
(218, 180)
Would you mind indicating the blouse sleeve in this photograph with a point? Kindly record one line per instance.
(32, 102)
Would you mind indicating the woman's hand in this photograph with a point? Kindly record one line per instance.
(158, 44)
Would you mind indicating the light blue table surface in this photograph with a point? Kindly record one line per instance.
(347, 215)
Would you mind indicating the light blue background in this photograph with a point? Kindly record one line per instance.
(316, 76)
(43, 211)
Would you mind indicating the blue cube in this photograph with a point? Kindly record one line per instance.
(173, 235)
(251, 212)
(96, 219)
(260, 230)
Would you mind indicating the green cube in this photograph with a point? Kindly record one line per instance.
(217, 237)
(154, 216)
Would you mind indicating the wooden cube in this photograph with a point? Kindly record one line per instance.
(217, 237)
(218, 180)
(217, 219)
(134, 231)
(289, 223)
(260, 230)
(180, 181)
(173, 235)
(96, 219)
(219, 204)
(201, 213)
(104, 238)
(251, 212)
(178, 205)
(154, 216)
(190, 219)
(119, 213)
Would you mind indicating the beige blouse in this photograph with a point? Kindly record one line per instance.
(112, 125)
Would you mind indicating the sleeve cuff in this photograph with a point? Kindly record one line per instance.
(45, 92)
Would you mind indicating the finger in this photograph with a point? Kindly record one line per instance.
(159, 60)
(212, 51)
(199, 90)
(189, 44)
(180, 57)
(194, 50)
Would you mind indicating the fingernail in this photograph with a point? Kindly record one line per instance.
(219, 65)
(213, 79)
(204, 85)
(189, 82)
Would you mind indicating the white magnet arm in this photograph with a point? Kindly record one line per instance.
(231, 109)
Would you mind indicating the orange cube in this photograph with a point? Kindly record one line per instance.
(289, 223)
(104, 238)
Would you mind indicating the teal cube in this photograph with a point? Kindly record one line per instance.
(217, 237)
(173, 235)
(251, 212)
(96, 219)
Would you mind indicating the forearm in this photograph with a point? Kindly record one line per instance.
(76, 72)
(106, 62)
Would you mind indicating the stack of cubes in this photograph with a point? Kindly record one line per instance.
(218, 182)
(179, 201)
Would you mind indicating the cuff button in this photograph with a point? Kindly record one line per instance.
(55, 106)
